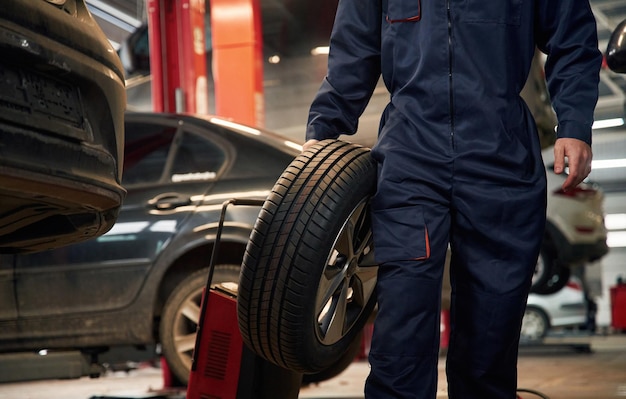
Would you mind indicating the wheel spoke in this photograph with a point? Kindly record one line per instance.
(337, 319)
(345, 243)
(185, 343)
(191, 310)
(331, 280)
(364, 282)
(362, 231)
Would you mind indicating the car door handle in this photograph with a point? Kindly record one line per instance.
(167, 201)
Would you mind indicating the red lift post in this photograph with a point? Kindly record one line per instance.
(178, 66)
(238, 60)
(178, 58)
(177, 55)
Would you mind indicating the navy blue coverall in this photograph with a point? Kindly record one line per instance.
(459, 164)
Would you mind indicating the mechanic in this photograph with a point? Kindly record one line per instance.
(459, 164)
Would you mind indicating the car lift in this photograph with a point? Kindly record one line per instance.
(178, 58)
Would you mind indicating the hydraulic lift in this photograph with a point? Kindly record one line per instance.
(178, 62)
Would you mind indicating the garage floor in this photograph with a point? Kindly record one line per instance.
(564, 369)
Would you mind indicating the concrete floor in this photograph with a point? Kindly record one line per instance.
(562, 369)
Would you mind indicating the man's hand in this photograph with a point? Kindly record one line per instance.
(309, 144)
(578, 154)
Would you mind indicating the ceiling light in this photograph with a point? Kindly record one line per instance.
(322, 50)
(608, 163)
(607, 123)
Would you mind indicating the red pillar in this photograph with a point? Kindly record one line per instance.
(238, 60)
(178, 68)
(177, 55)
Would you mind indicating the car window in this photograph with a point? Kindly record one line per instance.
(146, 151)
(197, 158)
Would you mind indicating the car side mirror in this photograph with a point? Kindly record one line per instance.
(616, 49)
(134, 52)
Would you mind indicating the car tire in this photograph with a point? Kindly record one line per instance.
(338, 367)
(305, 292)
(556, 281)
(544, 269)
(181, 313)
(535, 325)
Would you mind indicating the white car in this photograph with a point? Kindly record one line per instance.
(575, 230)
(565, 308)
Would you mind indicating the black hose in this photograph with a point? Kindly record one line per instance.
(537, 393)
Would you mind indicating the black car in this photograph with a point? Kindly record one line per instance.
(141, 282)
(62, 104)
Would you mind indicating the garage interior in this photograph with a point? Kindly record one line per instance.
(569, 362)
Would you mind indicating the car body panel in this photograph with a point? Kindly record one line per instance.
(565, 308)
(575, 221)
(109, 290)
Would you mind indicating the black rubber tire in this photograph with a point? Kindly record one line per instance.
(338, 367)
(556, 281)
(544, 269)
(304, 291)
(181, 313)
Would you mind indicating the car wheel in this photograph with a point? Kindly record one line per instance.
(535, 325)
(556, 281)
(181, 315)
(338, 367)
(305, 292)
(544, 268)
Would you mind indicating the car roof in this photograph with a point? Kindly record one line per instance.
(220, 124)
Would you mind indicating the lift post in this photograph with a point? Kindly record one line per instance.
(178, 56)
(238, 60)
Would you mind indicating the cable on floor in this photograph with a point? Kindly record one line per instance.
(533, 392)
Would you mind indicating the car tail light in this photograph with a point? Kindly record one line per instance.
(580, 193)
(573, 284)
(585, 229)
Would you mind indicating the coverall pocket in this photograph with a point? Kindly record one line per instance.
(400, 234)
(508, 12)
(404, 11)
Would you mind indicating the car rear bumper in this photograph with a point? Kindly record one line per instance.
(62, 103)
(576, 253)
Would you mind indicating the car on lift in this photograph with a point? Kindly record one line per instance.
(62, 104)
(575, 230)
(141, 282)
(562, 310)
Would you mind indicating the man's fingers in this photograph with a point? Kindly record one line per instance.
(578, 156)
(572, 181)
(579, 169)
(559, 159)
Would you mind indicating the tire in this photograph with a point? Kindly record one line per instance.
(305, 291)
(543, 269)
(535, 325)
(180, 317)
(338, 367)
(557, 280)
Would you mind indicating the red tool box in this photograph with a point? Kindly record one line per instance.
(618, 306)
